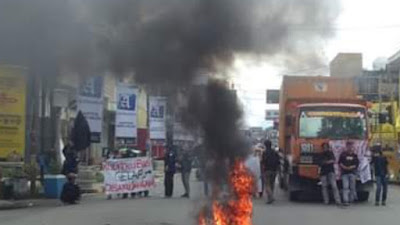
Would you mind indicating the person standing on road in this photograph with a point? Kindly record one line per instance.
(381, 175)
(70, 164)
(327, 174)
(207, 184)
(270, 164)
(253, 165)
(170, 169)
(261, 179)
(186, 167)
(348, 163)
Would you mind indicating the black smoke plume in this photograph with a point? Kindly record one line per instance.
(169, 42)
(166, 43)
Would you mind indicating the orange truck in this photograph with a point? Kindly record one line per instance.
(315, 110)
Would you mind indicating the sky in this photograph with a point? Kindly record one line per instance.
(370, 27)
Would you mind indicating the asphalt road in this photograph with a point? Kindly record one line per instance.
(96, 210)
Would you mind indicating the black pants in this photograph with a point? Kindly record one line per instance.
(169, 184)
(381, 188)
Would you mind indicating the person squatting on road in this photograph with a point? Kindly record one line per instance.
(170, 169)
(381, 176)
(186, 167)
(327, 174)
(348, 163)
(71, 193)
(270, 164)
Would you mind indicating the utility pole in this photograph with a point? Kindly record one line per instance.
(392, 113)
(41, 115)
(148, 140)
(380, 106)
(398, 89)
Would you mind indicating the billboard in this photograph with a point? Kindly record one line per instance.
(157, 117)
(272, 96)
(125, 118)
(90, 103)
(12, 112)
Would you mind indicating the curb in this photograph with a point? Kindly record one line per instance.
(7, 205)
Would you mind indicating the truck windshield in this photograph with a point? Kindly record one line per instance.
(332, 122)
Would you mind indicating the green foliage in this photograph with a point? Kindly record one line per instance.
(17, 172)
(31, 171)
(7, 172)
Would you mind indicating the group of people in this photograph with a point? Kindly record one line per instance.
(183, 163)
(348, 165)
(265, 163)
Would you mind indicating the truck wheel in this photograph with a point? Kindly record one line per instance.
(294, 196)
(363, 196)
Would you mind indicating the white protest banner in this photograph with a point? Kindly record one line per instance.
(125, 119)
(128, 175)
(157, 113)
(90, 103)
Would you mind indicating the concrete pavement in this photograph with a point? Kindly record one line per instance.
(8, 205)
(96, 210)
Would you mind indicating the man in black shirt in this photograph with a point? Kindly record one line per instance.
(381, 176)
(170, 169)
(327, 174)
(348, 163)
(270, 166)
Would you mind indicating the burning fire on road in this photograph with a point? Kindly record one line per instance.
(237, 210)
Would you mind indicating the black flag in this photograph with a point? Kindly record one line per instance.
(80, 134)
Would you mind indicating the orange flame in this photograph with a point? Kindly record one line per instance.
(239, 209)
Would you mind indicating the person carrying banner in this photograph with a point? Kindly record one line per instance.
(115, 154)
(348, 163)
